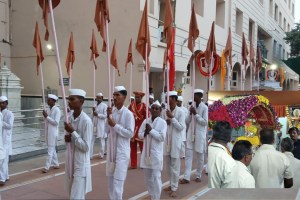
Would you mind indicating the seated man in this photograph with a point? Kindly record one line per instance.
(242, 153)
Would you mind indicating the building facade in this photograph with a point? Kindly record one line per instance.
(263, 21)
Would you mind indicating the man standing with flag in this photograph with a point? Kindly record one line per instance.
(176, 123)
(120, 122)
(80, 129)
(99, 119)
(138, 108)
(52, 118)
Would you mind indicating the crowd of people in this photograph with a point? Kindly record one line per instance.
(247, 167)
(169, 133)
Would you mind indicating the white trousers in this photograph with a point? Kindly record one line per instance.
(52, 157)
(78, 188)
(4, 166)
(182, 150)
(115, 188)
(153, 182)
(189, 162)
(102, 146)
(173, 170)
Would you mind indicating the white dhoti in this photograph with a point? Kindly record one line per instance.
(78, 188)
(173, 169)
(4, 166)
(189, 162)
(182, 150)
(153, 182)
(52, 157)
(102, 146)
(115, 188)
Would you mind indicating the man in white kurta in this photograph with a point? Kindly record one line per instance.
(242, 153)
(2, 152)
(156, 130)
(287, 147)
(270, 168)
(120, 125)
(186, 112)
(99, 119)
(7, 126)
(80, 129)
(221, 166)
(196, 139)
(176, 123)
(52, 117)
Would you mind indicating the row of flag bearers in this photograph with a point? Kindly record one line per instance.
(162, 135)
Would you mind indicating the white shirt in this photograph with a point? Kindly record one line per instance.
(8, 122)
(174, 133)
(186, 112)
(157, 136)
(2, 151)
(99, 120)
(221, 167)
(163, 97)
(121, 133)
(80, 144)
(295, 165)
(244, 177)
(52, 123)
(269, 167)
(201, 122)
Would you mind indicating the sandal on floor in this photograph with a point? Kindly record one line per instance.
(183, 181)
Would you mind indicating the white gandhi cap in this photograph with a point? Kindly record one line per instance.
(99, 95)
(3, 98)
(151, 97)
(77, 92)
(180, 98)
(198, 91)
(119, 88)
(52, 96)
(156, 103)
(172, 93)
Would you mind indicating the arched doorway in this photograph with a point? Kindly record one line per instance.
(235, 83)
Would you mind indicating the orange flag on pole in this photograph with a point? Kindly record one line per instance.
(144, 35)
(193, 31)
(71, 55)
(113, 57)
(44, 4)
(38, 46)
(211, 45)
(168, 25)
(245, 51)
(129, 55)
(94, 49)
(101, 15)
(228, 48)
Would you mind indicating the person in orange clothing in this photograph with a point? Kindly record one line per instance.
(138, 108)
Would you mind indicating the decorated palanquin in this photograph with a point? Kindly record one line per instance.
(252, 112)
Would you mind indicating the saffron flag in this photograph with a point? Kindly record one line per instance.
(129, 55)
(228, 48)
(44, 4)
(172, 63)
(193, 31)
(101, 16)
(211, 45)
(113, 58)
(94, 49)
(71, 55)
(245, 52)
(252, 54)
(144, 35)
(38, 46)
(168, 25)
(223, 70)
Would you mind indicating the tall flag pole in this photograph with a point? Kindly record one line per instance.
(143, 46)
(245, 53)
(228, 57)
(129, 60)
(39, 59)
(48, 7)
(94, 55)
(209, 52)
(252, 61)
(193, 35)
(114, 61)
(70, 59)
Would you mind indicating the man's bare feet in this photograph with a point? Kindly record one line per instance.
(167, 189)
(173, 194)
